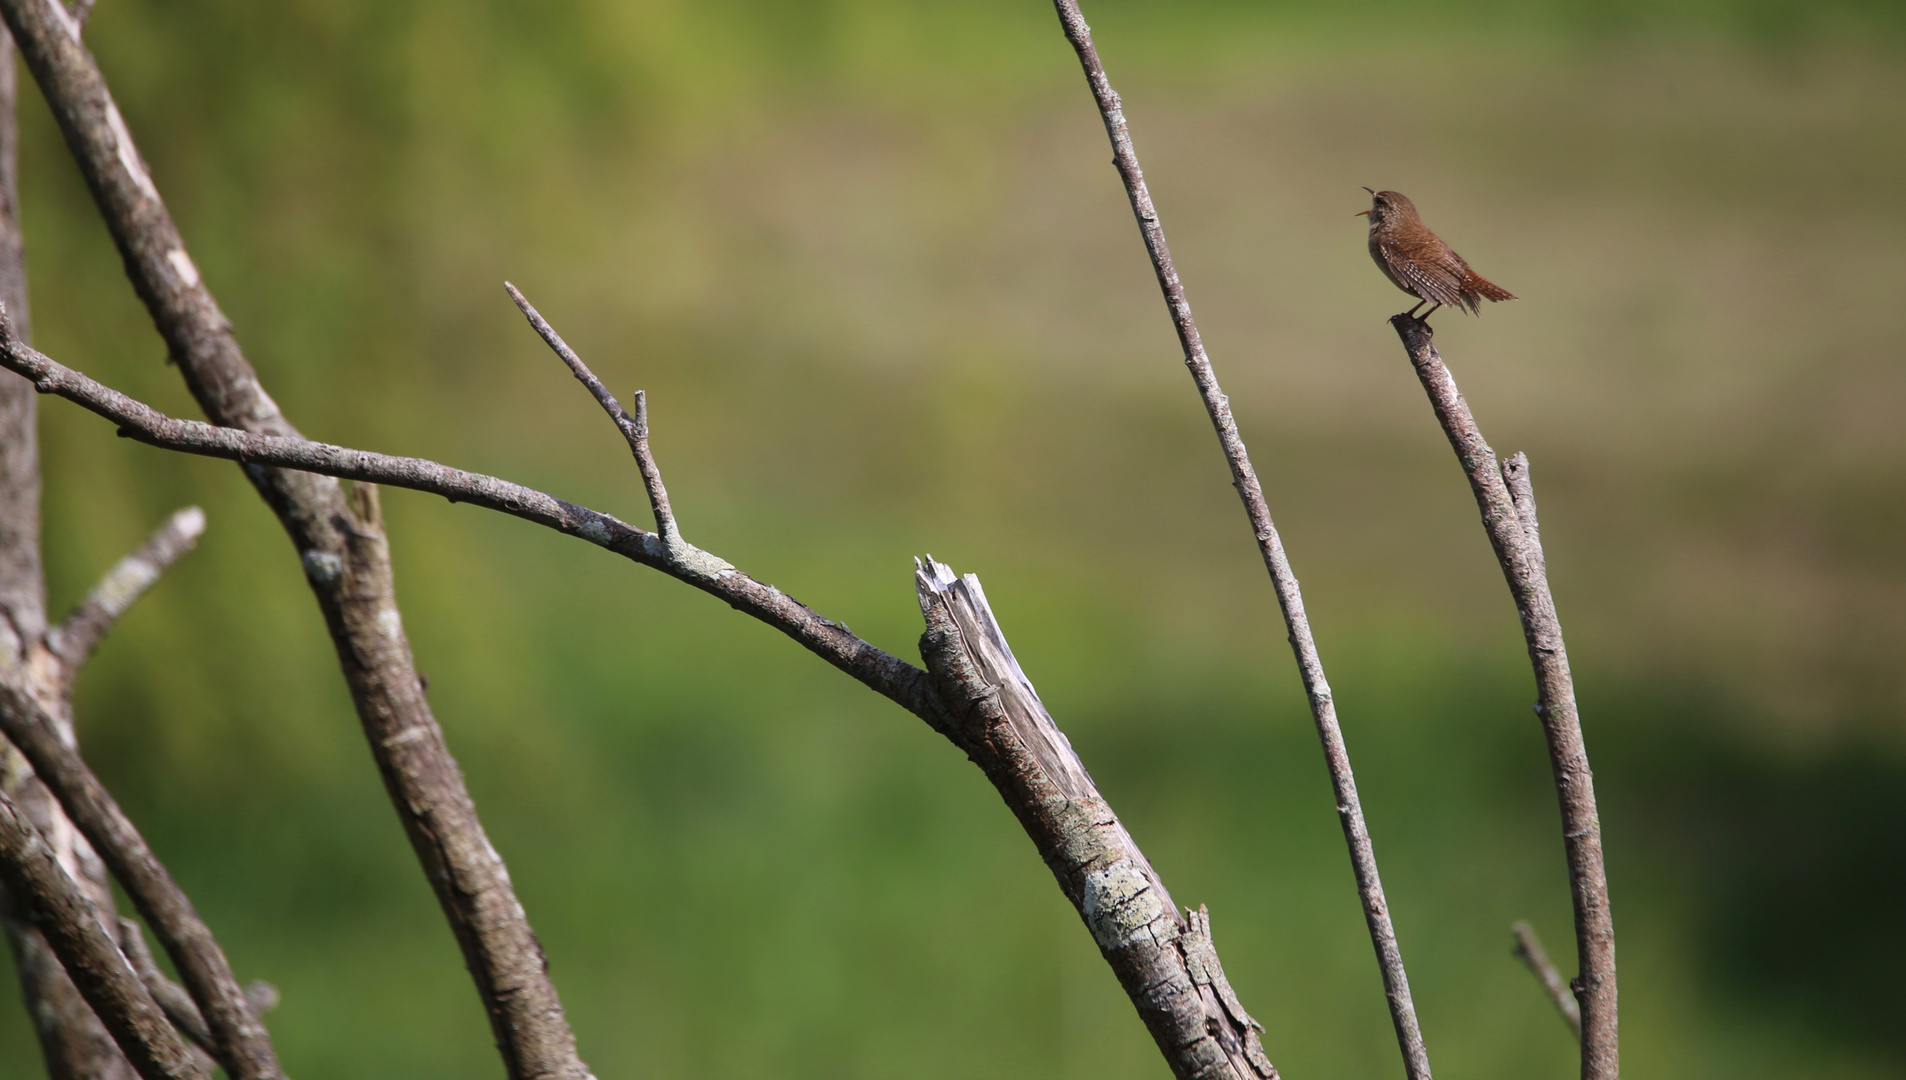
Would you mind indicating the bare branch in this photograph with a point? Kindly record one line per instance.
(1165, 960)
(1201, 981)
(187, 940)
(634, 429)
(886, 674)
(71, 927)
(1290, 598)
(1529, 950)
(1510, 521)
(75, 639)
(426, 788)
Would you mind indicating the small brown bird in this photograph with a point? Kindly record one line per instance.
(1419, 263)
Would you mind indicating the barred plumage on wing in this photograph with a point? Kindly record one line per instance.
(1418, 262)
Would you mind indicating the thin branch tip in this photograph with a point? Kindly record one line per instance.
(1528, 949)
(75, 638)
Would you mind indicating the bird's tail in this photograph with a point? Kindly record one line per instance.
(1478, 285)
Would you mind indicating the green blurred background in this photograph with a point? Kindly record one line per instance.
(887, 298)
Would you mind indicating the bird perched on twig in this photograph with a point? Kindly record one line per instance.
(1418, 262)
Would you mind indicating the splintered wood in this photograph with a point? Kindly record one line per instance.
(1164, 958)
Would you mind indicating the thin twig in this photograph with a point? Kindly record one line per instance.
(1376, 910)
(171, 996)
(426, 788)
(74, 639)
(71, 926)
(1529, 950)
(1165, 960)
(178, 1005)
(1506, 499)
(187, 940)
(635, 429)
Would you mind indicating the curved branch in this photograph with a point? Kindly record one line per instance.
(1507, 501)
(1290, 598)
(1196, 1018)
(884, 673)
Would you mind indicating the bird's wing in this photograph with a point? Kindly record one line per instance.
(1433, 273)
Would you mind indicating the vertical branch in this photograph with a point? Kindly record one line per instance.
(72, 1041)
(426, 787)
(22, 587)
(1290, 598)
(1507, 501)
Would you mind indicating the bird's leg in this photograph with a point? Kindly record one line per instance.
(1424, 318)
(1411, 314)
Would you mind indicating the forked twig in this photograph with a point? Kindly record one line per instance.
(635, 428)
(1290, 598)
(1529, 950)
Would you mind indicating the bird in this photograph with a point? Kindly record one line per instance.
(1418, 262)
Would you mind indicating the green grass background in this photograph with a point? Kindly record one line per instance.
(887, 298)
